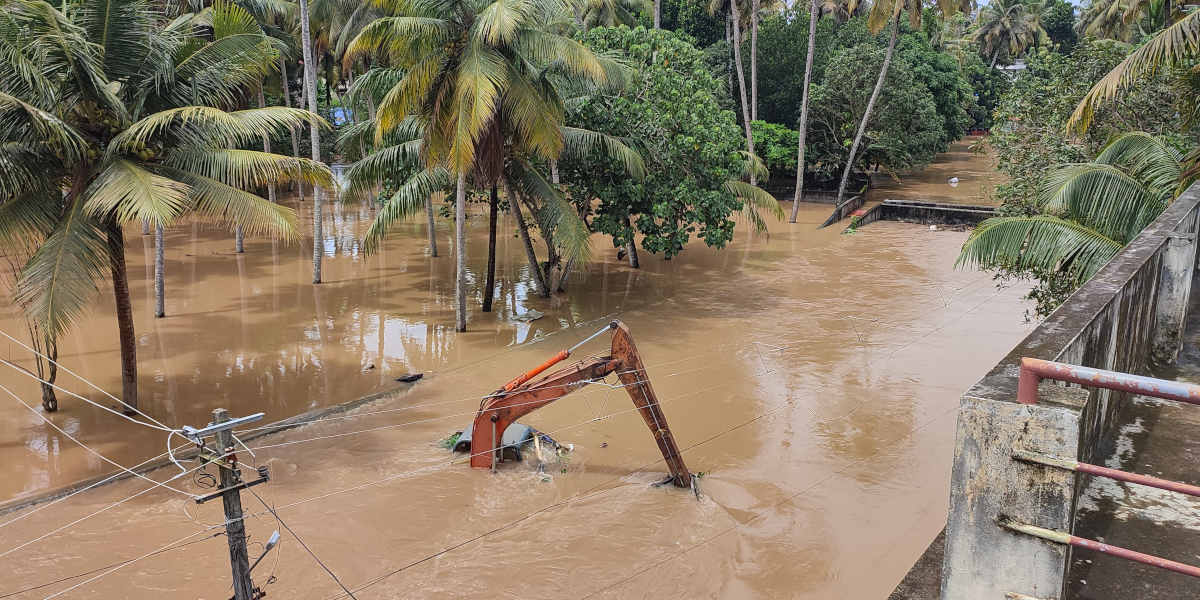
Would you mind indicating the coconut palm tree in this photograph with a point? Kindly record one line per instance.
(1008, 28)
(883, 12)
(310, 97)
(813, 15)
(478, 99)
(1175, 46)
(611, 13)
(110, 115)
(1089, 212)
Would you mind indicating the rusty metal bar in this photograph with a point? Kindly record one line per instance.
(1082, 467)
(1062, 537)
(1033, 370)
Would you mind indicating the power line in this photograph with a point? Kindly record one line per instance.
(304, 545)
(159, 424)
(110, 565)
(89, 448)
(762, 514)
(123, 565)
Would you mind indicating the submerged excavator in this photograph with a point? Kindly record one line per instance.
(489, 435)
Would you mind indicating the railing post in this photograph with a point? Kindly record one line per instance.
(982, 559)
(1174, 289)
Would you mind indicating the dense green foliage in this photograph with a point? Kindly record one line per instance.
(782, 44)
(670, 110)
(1029, 138)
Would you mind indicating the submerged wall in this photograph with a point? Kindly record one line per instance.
(1127, 317)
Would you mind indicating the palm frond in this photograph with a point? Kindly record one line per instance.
(571, 234)
(581, 143)
(1044, 243)
(367, 173)
(754, 199)
(1173, 46)
(256, 215)
(57, 283)
(408, 200)
(205, 126)
(126, 192)
(498, 24)
(250, 168)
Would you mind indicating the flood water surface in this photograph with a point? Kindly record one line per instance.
(966, 174)
(811, 377)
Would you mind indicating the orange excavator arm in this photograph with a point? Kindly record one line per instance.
(520, 397)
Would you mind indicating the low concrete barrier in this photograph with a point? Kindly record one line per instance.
(926, 213)
(1128, 316)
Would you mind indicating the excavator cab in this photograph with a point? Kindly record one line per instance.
(490, 433)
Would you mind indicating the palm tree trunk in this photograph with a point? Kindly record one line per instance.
(310, 92)
(741, 76)
(120, 278)
(754, 8)
(808, 63)
(862, 126)
(262, 103)
(429, 226)
(658, 14)
(160, 265)
(287, 101)
(489, 287)
(515, 203)
(631, 247)
(460, 254)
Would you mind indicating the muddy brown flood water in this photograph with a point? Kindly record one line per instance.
(812, 377)
(975, 168)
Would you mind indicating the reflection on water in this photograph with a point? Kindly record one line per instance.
(812, 376)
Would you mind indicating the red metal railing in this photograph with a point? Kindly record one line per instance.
(1033, 371)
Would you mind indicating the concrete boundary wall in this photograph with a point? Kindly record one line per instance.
(1128, 316)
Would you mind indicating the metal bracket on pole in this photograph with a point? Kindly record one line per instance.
(196, 435)
(264, 475)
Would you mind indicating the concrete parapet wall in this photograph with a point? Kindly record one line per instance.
(1128, 316)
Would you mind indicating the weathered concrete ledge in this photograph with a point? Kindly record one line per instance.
(290, 423)
(925, 213)
(1126, 318)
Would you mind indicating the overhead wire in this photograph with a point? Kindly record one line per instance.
(764, 513)
(303, 544)
(86, 447)
(110, 565)
(156, 423)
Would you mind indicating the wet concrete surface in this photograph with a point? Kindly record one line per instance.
(1161, 439)
(812, 377)
(968, 159)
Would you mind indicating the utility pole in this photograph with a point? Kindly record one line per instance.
(235, 527)
(230, 493)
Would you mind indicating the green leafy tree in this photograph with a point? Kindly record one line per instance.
(1059, 23)
(694, 158)
(783, 40)
(1032, 115)
(113, 115)
(903, 132)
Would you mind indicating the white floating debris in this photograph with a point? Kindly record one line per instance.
(530, 315)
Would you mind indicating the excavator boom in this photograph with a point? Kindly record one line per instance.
(522, 396)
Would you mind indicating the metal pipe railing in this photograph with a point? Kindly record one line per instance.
(1097, 470)
(1034, 370)
(1062, 537)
